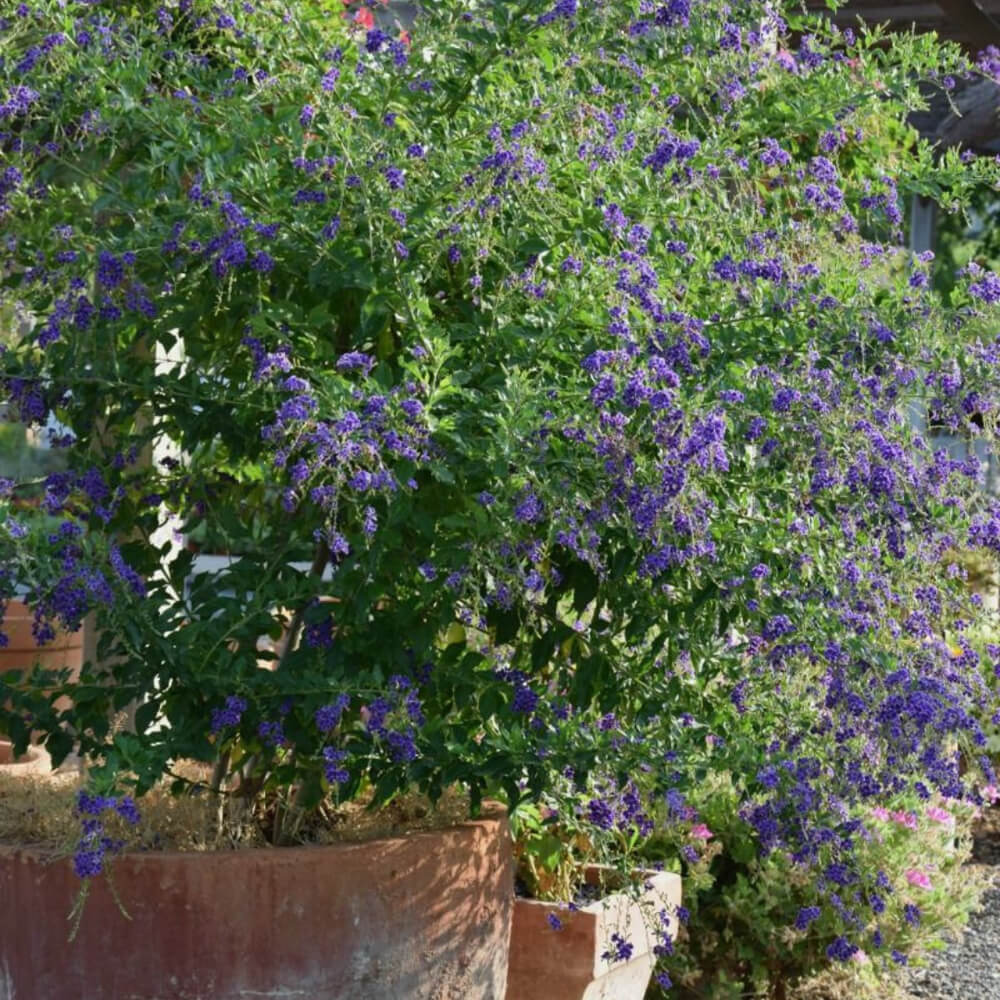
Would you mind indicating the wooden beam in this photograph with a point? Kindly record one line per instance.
(973, 25)
(976, 122)
(880, 13)
(971, 20)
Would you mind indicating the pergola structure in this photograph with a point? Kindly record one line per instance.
(968, 116)
(974, 24)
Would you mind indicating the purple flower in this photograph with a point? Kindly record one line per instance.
(525, 700)
(128, 810)
(987, 289)
(126, 573)
(528, 509)
(355, 361)
(262, 262)
(296, 408)
(402, 748)
(778, 626)
(88, 863)
(330, 78)
(375, 39)
(620, 950)
(841, 949)
(110, 271)
(773, 155)
(330, 230)
(230, 715)
(272, 733)
(334, 773)
(600, 814)
(328, 717)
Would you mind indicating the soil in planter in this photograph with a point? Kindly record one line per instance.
(584, 892)
(38, 810)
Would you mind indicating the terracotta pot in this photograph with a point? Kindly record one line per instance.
(65, 652)
(569, 964)
(35, 761)
(421, 917)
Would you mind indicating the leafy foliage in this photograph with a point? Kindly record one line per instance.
(574, 350)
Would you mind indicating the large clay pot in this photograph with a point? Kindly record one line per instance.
(577, 961)
(421, 917)
(64, 652)
(35, 761)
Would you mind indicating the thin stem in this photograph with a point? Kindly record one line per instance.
(453, 105)
(319, 563)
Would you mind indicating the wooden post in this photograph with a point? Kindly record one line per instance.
(923, 219)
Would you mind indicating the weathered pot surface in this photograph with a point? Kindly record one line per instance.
(35, 761)
(421, 917)
(577, 961)
(21, 652)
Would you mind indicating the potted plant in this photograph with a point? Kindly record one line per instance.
(605, 947)
(581, 373)
(582, 929)
(29, 640)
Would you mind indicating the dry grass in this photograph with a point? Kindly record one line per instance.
(851, 983)
(34, 811)
(38, 811)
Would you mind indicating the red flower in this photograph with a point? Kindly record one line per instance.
(362, 16)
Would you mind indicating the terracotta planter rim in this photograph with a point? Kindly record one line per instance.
(31, 759)
(491, 812)
(401, 916)
(576, 962)
(598, 905)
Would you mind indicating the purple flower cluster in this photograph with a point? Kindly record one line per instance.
(95, 844)
(229, 716)
(343, 457)
(652, 383)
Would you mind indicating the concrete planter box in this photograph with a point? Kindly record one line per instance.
(568, 964)
(421, 917)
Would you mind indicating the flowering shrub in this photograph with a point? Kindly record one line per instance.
(764, 920)
(574, 348)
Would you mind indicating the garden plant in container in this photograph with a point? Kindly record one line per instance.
(574, 346)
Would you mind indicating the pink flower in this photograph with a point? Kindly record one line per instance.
(701, 832)
(879, 812)
(940, 816)
(918, 878)
(909, 820)
(991, 794)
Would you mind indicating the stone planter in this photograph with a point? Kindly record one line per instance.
(421, 917)
(569, 964)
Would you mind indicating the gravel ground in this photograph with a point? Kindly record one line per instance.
(969, 969)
